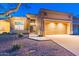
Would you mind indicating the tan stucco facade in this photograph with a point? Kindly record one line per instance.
(15, 20)
(4, 26)
(52, 22)
(47, 22)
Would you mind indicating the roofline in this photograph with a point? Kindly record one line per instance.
(32, 14)
(55, 11)
(18, 17)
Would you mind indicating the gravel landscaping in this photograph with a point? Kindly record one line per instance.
(30, 47)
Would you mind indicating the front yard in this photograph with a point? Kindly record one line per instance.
(30, 47)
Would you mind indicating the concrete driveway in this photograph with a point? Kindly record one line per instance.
(70, 42)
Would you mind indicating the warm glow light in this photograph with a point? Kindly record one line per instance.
(19, 24)
(56, 28)
(4, 26)
(32, 23)
(60, 25)
(52, 25)
(61, 28)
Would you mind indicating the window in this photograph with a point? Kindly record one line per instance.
(19, 25)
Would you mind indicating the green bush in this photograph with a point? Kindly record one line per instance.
(16, 47)
(4, 33)
(20, 35)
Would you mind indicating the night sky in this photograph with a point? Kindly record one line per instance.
(71, 8)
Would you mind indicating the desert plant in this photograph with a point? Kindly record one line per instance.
(14, 48)
(4, 33)
(20, 35)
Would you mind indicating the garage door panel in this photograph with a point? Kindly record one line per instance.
(61, 28)
(52, 28)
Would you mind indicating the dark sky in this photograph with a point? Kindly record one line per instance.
(72, 8)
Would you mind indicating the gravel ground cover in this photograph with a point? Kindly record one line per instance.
(32, 48)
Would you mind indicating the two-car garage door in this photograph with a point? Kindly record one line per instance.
(52, 28)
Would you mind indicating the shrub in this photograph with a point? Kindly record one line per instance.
(40, 35)
(4, 33)
(14, 48)
(20, 35)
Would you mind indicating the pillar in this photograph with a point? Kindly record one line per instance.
(41, 26)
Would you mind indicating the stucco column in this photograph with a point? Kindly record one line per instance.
(71, 25)
(28, 25)
(11, 27)
(71, 28)
(41, 25)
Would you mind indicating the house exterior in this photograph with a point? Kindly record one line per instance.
(49, 22)
(18, 24)
(46, 22)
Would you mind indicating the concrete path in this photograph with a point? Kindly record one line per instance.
(70, 42)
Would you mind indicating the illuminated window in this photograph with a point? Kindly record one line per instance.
(19, 25)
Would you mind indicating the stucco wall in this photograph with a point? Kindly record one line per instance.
(4, 26)
(56, 15)
(21, 19)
